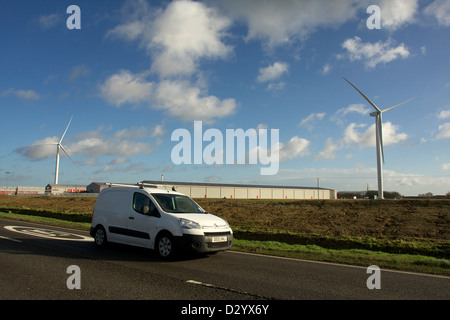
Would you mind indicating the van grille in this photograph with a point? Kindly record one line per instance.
(217, 234)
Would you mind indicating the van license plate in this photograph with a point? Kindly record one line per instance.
(219, 239)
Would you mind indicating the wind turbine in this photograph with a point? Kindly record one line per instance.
(379, 137)
(58, 147)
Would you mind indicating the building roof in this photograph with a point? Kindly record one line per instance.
(207, 184)
(66, 185)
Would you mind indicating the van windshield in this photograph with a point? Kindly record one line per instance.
(175, 203)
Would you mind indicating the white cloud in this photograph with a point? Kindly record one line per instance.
(186, 32)
(367, 138)
(295, 147)
(284, 21)
(128, 31)
(22, 94)
(311, 120)
(40, 149)
(79, 71)
(178, 37)
(279, 22)
(444, 114)
(329, 152)
(357, 107)
(177, 97)
(93, 144)
(445, 166)
(440, 9)
(121, 143)
(444, 131)
(261, 126)
(187, 102)
(158, 131)
(272, 72)
(116, 165)
(276, 86)
(339, 115)
(373, 54)
(395, 14)
(357, 177)
(50, 20)
(355, 137)
(326, 68)
(125, 87)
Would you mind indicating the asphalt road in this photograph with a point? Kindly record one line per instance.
(34, 262)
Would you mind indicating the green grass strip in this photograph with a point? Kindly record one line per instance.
(415, 263)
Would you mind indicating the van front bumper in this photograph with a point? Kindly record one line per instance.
(210, 242)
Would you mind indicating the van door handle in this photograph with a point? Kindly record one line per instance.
(132, 218)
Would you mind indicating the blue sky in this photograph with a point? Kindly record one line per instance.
(138, 70)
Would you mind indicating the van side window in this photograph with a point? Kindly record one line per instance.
(142, 204)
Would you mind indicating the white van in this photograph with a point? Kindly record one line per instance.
(159, 219)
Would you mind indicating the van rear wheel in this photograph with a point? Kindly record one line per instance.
(165, 246)
(100, 236)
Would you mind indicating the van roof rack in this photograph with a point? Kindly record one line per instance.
(148, 185)
(141, 185)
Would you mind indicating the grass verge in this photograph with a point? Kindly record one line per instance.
(330, 250)
(360, 257)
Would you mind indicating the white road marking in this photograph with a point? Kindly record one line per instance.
(11, 239)
(47, 233)
(340, 264)
(199, 283)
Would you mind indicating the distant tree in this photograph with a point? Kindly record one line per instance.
(392, 195)
(369, 194)
(426, 195)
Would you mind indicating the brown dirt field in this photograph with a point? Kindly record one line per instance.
(382, 219)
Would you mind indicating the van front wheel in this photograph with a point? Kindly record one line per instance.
(165, 246)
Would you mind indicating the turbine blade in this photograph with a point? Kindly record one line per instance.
(62, 137)
(368, 100)
(387, 109)
(380, 133)
(66, 152)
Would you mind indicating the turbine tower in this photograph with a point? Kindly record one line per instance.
(379, 138)
(58, 147)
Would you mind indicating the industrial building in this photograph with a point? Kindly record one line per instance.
(96, 187)
(21, 190)
(64, 189)
(192, 189)
(243, 191)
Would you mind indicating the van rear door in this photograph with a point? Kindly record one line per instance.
(115, 206)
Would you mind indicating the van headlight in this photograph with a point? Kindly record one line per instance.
(188, 224)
